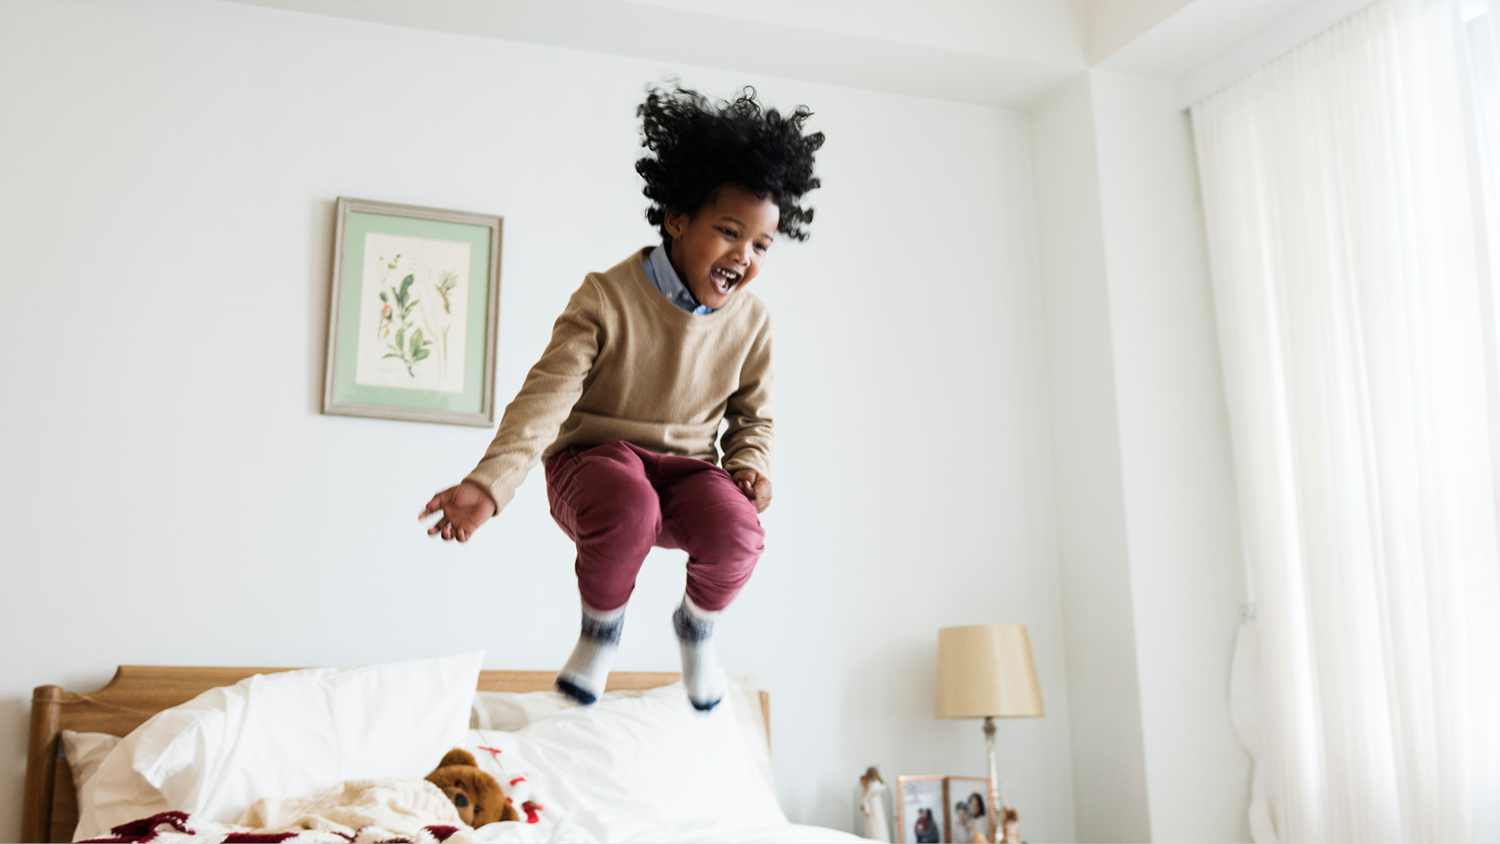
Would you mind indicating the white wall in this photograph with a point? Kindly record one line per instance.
(1093, 552)
(1187, 575)
(1148, 529)
(169, 493)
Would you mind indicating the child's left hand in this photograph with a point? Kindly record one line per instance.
(755, 486)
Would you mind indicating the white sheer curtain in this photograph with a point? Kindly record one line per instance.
(1350, 233)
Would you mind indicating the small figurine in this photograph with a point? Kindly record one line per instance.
(872, 804)
(1010, 826)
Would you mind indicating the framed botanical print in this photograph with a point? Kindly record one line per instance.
(413, 314)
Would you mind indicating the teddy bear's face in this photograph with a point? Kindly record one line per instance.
(475, 794)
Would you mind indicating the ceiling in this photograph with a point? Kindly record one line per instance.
(987, 52)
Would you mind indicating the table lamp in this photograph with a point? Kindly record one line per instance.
(985, 671)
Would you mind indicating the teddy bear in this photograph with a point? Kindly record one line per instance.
(475, 794)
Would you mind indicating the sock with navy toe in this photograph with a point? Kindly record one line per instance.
(586, 671)
(701, 674)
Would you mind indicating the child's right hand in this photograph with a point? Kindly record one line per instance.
(464, 507)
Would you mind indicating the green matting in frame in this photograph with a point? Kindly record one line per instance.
(413, 313)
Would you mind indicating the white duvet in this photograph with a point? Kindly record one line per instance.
(640, 767)
(634, 767)
(186, 830)
(703, 831)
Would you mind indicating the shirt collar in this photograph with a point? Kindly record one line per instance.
(664, 277)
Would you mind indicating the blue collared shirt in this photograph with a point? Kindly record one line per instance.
(659, 270)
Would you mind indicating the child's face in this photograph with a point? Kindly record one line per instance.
(718, 250)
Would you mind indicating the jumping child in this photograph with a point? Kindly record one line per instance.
(645, 363)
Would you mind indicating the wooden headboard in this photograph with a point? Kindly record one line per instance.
(137, 692)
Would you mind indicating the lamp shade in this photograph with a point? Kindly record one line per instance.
(985, 670)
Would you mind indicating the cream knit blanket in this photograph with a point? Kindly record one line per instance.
(399, 806)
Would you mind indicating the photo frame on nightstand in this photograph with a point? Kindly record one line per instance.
(937, 809)
(970, 815)
(921, 809)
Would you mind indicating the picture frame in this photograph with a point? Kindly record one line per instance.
(413, 316)
(921, 809)
(963, 819)
(943, 800)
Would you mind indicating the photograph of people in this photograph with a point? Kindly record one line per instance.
(925, 829)
(970, 823)
(922, 813)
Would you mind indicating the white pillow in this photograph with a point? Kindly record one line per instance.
(125, 791)
(287, 734)
(511, 711)
(752, 723)
(641, 760)
(502, 756)
(84, 752)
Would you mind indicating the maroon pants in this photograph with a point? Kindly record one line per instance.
(616, 501)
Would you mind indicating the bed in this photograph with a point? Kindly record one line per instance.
(138, 693)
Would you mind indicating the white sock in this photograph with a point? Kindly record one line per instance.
(582, 679)
(700, 664)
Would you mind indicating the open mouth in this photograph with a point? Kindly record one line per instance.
(724, 279)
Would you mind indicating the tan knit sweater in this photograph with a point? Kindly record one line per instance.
(626, 364)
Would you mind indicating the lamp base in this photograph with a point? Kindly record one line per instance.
(994, 808)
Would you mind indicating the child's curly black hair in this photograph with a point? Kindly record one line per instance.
(698, 145)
